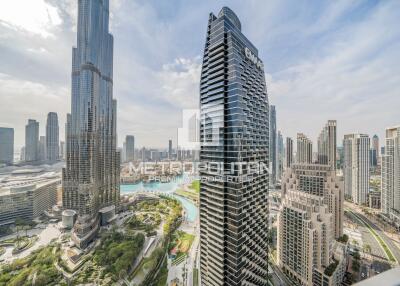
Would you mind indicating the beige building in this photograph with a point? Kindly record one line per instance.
(304, 152)
(318, 180)
(310, 218)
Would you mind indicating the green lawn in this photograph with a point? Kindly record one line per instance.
(195, 186)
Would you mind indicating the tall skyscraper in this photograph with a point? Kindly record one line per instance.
(52, 137)
(289, 152)
(356, 167)
(91, 176)
(327, 145)
(304, 153)
(129, 148)
(280, 154)
(6, 145)
(62, 150)
(391, 175)
(170, 149)
(272, 143)
(32, 141)
(233, 130)
(375, 158)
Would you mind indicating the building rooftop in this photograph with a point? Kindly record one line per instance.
(387, 278)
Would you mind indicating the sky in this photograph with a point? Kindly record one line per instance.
(323, 60)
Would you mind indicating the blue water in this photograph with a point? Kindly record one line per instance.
(168, 188)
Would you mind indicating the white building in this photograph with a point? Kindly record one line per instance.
(391, 175)
(356, 167)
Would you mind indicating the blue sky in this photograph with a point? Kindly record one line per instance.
(323, 60)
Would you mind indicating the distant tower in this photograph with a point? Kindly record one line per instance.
(52, 137)
(304, 151)
(280, 156)
(129, 148)
(272, 143)
(170, 149)
(6, 145)
(42, 148)
(327, 145)
(356, 167)
(375, 151)
(32, 141)
(289, 152)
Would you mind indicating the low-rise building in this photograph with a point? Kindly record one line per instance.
(27, 200)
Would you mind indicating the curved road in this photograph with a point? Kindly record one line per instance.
(393, 248)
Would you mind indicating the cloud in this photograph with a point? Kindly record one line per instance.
(35, 16)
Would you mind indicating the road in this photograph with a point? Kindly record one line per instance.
(393, 248)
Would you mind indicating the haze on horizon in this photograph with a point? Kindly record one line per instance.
(327, 60)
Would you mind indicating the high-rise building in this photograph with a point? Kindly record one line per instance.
(280, 154)
(32, 141)
(391, 175)
(6, 145)
(42, 148)
(52, 137)
(129, 148)
(304, 153)
(375, 151)
(319, 180)
(356, 167)
(170, 149)
(272, 144)
(289, 152)
(309, 219)
(327, 145)
(233, 130)
(306, 247)
(92, 173)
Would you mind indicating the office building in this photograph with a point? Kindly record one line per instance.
(129, 148)
(390, 187)
(32, 141)
(356, 167)
(327, 145)
(304, 153)
(92, 173)
(52, 137)
(6, 145)
(26, 200)
(272, 144)
(233, 130)
(289, 152)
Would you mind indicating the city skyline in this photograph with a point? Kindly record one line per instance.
(322, 68)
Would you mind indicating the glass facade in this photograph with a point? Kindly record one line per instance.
(234, 129)
(91, 176)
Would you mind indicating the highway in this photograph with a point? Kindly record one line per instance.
(393, 248)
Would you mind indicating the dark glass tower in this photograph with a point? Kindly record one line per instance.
(234, 129)
(91, 175)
